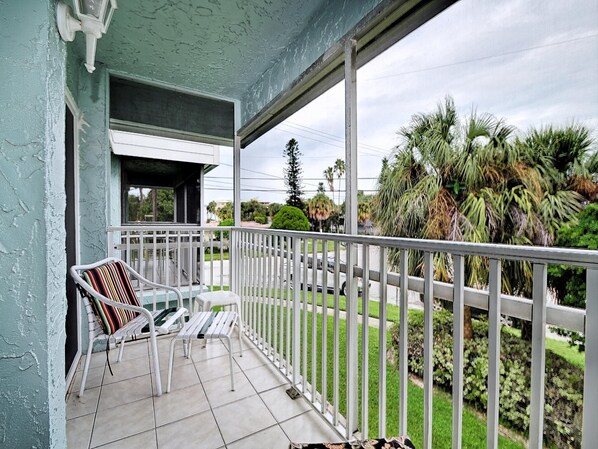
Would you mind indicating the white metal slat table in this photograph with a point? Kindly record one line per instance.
(206, 325)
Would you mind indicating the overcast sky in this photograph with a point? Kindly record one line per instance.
(530, 62)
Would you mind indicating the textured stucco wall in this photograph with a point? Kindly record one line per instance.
(94, 163)
(32, 235)
(327, 26)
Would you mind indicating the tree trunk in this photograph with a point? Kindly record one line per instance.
(467, 326)
(526, 330)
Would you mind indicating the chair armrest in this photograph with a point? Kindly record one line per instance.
(165, 327)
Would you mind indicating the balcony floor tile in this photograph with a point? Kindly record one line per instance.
(120, 412)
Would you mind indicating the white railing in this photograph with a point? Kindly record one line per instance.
(276, 271)
(191, 258)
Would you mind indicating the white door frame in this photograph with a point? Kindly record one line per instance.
(72, 106)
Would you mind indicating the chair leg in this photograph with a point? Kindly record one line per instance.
(240, 324)
(157, 378)
(230, 358)
(170, 362)
(86, 369)
(121, 349)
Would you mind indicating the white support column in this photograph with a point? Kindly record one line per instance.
(351, 228)
(350, 137)
(237, 181)
(202, 199)
(590, 392)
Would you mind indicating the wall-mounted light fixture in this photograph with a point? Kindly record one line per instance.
(92, 17)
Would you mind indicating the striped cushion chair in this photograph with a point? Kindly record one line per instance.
(115, 312)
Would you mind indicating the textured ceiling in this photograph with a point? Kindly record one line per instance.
(217, 47)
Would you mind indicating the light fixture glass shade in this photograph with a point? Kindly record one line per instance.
(92, 17)
(94, 8)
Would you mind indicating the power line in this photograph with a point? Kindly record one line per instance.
(261, 173)
(334, 136)
(294, 132)
(481, 58)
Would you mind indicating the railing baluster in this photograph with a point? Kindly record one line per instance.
(281, 308)
(365, 302)
(403, 349)
(304, 319)
(231, 244)
(536, 427)
(493, 353)
(260, 289)
(590, 391)
(324, 396)
(269, 279)
(254, 286)
(202, 259)
(428, 346)
(458, 320)
(352, 341)
(314, 319)
(296, 323)
(382, 344)
(141, 264)
(336, 337)
(167, 264)
(154, 273)
(288, 305)
(191, 266)
(276, 294)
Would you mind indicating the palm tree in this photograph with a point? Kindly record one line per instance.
(319, 208)
(339, 169)
(464, 180)
(329, 175)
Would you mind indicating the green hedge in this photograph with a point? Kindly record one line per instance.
(564, 381)
(261, 219)
(291, 218)
(227, 222)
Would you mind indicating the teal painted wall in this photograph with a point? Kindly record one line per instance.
(32, 235)
(327, 26)
(94, 163)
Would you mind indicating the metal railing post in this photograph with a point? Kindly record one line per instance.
(590, 389)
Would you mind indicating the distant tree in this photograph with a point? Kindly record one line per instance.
(320, 207)
(291, 218)
(339, 169)
(225, 211)
(157, 205)
(211, 207)
(292, 172)
(466, 180)
(273, 209)
(329, 175)
(251, 208)
(569, 283)
(364, 207)
(321, 187)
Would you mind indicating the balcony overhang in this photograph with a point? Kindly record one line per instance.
(131, 144)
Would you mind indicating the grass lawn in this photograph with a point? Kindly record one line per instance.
(474, 428)
(319, 247)
(216, 256)
(559, 347)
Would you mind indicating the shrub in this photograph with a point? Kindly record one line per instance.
(227, 222)
(564, 381)
(261, 219)
(291, 218)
